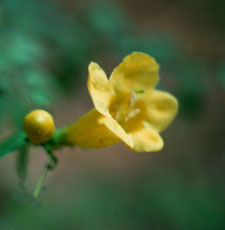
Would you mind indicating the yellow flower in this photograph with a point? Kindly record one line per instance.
(127, 107)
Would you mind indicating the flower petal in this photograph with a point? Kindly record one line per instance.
(138, 71)
(98, 87)
(115, 128)
(87, 132)
(161, 108)
(147, 140)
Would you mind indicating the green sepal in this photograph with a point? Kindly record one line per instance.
(13, 143)
(58, 139)
(140, 91)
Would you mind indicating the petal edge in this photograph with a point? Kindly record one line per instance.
(99, 88)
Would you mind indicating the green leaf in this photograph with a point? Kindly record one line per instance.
(22, 161)
(12, 143)
(221, 74)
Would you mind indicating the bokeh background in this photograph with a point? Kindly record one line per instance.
(45, 48)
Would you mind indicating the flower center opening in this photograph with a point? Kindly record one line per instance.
(128, 110)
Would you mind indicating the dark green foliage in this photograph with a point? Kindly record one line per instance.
(13, 143)
(108, 20)
(212, 12)
(22, 161)
(191, 77)
(220, 74)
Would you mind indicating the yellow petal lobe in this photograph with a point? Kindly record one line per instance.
(146, 140)
(138, 71)
(99, 88)
(87, 132)
(162, 108)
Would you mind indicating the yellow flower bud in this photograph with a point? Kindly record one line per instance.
(39, 126)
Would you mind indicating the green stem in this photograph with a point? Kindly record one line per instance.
(49, 166)
(40, 182)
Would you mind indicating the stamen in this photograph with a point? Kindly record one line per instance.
(132, 114)
(117, 109)
(132, 98)
(117, 116)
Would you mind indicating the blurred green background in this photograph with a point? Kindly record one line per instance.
(45, 49)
